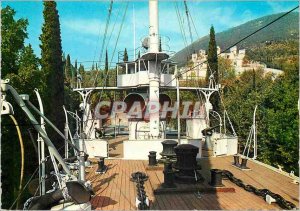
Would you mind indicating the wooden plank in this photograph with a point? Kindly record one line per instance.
(116, 192)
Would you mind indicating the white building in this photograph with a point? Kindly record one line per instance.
(234, 55)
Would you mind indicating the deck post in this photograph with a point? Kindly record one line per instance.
(81, 159)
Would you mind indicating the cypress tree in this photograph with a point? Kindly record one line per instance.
(68, 71)
(75, 65)
(106, 68)
(81, 70)
(139, 55)
(75, 72)
(212, 57)
(52, 66)
(160, 49)
(125, 59)
(106, 63)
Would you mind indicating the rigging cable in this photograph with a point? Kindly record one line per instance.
(22, 153)
(106, 75)
(104, 38)
(193, 23)
(181, 28)
(285, 14)
(118, 14)
(189, 24)
(101, 53)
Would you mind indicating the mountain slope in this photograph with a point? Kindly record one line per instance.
(286, 28)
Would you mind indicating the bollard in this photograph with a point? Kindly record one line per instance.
(101, 166)
(152, 158)
(216, 178)
(244, 163)
(236, 161)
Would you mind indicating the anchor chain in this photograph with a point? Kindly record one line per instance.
(259, 192)
(142, 201)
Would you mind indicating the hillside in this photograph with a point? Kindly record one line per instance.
(286, 28)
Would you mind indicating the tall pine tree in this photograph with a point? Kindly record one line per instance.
(212, 57)
(160, 48)
(68, 70)
(125, 59)
(212, 68)
(52, 66)
(106, 69)
(139, 55)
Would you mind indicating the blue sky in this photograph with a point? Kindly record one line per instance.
(83, 23)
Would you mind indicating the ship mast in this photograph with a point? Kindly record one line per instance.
(154, 69)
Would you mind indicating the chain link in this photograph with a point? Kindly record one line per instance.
(259, 192)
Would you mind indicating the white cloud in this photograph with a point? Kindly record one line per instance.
(278, 7)
(83, 26)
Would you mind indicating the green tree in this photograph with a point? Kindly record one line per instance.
(81, 71)
(12, 40)
(160, 48)
(75, 65)
(68, 71)
(125, 59)
(139, 55)
(106, 68)
(279, 142)
(212, 57)
(52, 66)
(212, 67)
(28, 59)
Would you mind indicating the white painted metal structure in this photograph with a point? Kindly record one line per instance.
(41, 147)
(252, 137)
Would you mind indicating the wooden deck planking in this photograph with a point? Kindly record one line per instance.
(120, 192)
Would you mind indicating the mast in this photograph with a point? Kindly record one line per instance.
(153, 26)
(154, 69)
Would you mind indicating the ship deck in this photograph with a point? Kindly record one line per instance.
(115, 191)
